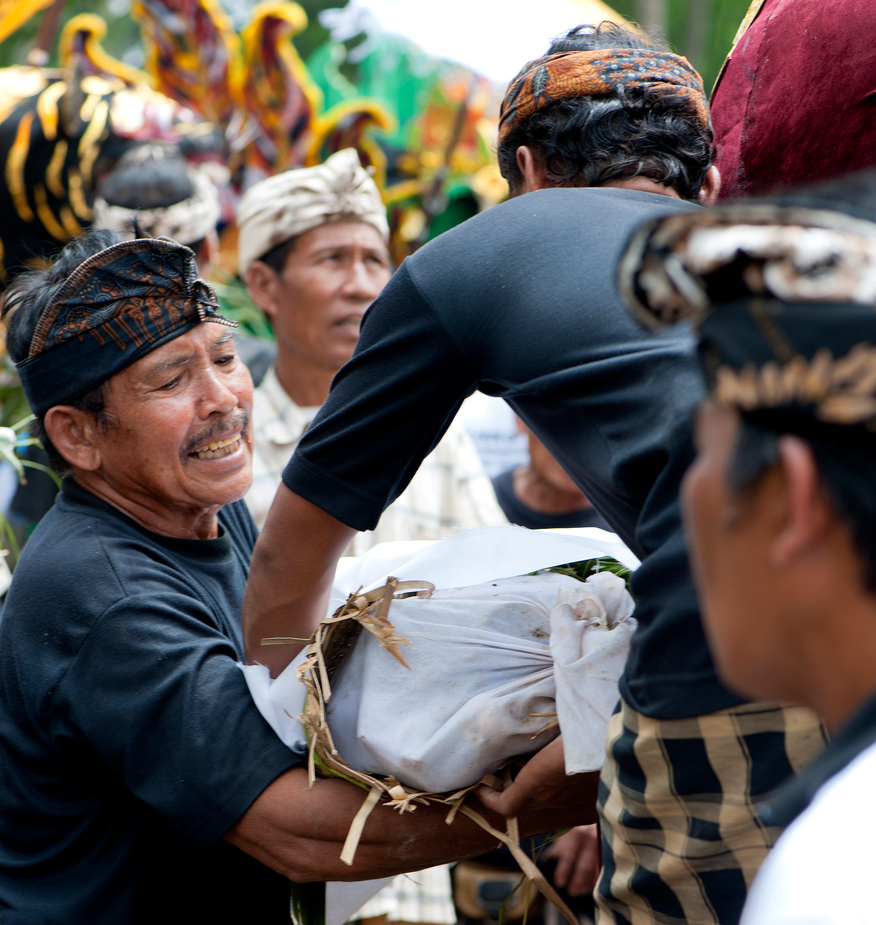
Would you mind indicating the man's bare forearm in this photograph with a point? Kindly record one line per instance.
(293, 565)
(300, 831)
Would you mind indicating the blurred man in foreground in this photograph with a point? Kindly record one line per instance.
(781, 510)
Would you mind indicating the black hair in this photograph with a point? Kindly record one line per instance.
(32, 293)
(846, 471)
(153, 183)
(637, 132)
(276, 256)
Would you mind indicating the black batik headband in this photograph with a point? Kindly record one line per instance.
(117, 306)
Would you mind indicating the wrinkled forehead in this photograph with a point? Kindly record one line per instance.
(201, 342)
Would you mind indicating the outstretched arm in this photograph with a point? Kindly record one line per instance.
(299, 831)
(293, 565)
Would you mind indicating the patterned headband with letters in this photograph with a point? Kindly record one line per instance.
(784, 302)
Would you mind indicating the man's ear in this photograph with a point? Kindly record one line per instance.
(711, 187)
(74, 434)
(530, 165)
(262, 282)
(808, 513)
(207, 253)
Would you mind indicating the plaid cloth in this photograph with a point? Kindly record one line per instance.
(681, 837)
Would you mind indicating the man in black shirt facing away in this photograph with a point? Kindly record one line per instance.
(521, 302)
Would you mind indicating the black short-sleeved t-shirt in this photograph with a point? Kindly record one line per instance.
(519, 513)
(129, 743)
(522, 302)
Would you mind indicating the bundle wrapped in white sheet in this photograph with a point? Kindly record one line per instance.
(480, 684)
(490, 666)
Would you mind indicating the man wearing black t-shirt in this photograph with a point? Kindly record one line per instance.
(138, 780)
(521, 302)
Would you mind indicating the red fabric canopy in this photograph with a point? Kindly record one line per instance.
(797, 100)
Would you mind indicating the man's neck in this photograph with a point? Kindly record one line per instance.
(307, 385)
(837, 687)
(542, 496)
(180, 523)
(643, 185)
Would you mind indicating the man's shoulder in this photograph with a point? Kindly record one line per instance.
(69, 536)
(69, 574)
(558, 244)
(91, 558)
(560, 211)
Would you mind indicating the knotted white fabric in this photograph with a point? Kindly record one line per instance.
(483, 659)
(590, 639)
(481, 684)
(288, 204)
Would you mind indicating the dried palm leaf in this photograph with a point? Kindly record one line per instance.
(333, 640)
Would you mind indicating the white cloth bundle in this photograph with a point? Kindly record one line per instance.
(480, 687)
(489, 662)
(584, 630)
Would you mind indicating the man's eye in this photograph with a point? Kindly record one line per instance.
(227, 361)
(169, 385)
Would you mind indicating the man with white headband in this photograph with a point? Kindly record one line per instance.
(313, 255)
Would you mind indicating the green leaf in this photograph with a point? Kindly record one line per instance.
(50, 472)
(585, 568)
(7, 453)
(24, 422)
(11, 539)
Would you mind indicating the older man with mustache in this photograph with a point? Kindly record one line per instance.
(138, 781)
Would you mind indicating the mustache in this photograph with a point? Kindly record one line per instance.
(218, 430)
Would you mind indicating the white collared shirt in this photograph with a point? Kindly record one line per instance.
(450, 491)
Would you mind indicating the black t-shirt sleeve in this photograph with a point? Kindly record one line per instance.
(392, 402)
(156, 691)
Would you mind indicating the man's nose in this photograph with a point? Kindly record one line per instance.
(218, 394)
(361, 283)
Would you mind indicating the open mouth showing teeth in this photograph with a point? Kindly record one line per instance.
(218, 449)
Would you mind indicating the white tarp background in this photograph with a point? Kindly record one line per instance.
(494, 38)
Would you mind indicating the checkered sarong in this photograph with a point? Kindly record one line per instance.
(681, 838)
